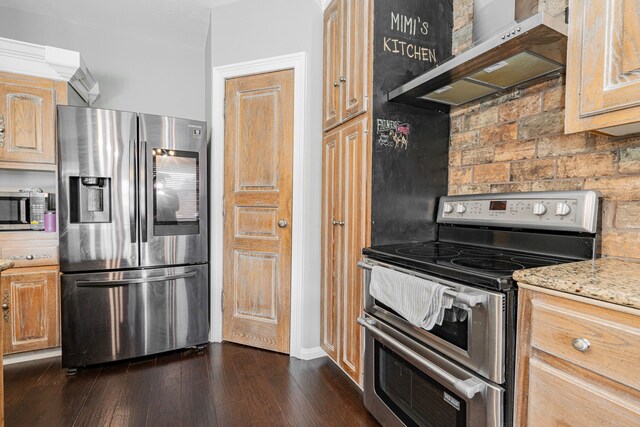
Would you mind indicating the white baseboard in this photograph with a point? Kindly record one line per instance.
(312, 353)
(10, 359)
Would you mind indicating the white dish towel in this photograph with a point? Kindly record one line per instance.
(419, 301)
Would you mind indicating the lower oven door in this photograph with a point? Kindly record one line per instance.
(406, 383)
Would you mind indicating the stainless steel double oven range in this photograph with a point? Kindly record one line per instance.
(462, 372)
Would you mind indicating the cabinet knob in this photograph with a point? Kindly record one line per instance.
(581, 344)
(343, 79)
(29, 257)
(341, 223)
(283, 223)
(5, 306)
(336, 84)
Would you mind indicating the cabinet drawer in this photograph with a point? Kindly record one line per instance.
(613, 337)
(32, 256)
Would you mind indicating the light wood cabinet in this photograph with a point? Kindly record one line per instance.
(346, 60)
(346, 189)
(576, 361)
(27, 120)
(30, 306)
(603, 67)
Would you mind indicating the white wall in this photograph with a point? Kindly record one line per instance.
(257, 29)
(135, 73)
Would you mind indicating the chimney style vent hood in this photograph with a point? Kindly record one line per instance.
(530, 46)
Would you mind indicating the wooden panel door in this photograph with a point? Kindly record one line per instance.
(331, 243)
(603, 65)
(30, 309)
(332, 65)
(28, 114)
(355, 62)
(354, 222)
(258, 203)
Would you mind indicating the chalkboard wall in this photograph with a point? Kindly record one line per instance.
(410, 144)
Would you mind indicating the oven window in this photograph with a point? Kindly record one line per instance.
(454, 328)
(412, 396)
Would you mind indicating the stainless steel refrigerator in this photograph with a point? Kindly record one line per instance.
(133, 234)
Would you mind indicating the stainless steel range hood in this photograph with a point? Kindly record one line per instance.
(529, 47)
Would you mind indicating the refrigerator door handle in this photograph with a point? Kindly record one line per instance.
(133, 194)
(124, 282)
(143, 191)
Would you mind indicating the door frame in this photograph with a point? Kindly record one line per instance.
(297, 62)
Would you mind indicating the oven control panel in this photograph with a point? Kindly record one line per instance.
(557, 210)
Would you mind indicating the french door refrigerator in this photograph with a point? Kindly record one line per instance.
(133, 234)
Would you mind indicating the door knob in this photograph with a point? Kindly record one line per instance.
(283, 223)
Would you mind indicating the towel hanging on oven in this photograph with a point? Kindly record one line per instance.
(421, 302)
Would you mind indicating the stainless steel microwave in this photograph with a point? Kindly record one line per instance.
(22, 210)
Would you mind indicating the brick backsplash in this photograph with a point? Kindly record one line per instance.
(515, 142)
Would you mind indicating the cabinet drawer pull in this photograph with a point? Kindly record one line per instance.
(581, 344)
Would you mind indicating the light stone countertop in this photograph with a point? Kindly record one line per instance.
(5, 265)
(606, 279)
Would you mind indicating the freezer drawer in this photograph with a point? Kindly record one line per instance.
(120, 315)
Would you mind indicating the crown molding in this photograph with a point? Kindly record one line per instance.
(50, 63)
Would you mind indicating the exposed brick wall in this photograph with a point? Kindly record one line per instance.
(516, 142)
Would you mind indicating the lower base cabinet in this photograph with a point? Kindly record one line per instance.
(345, 231)
(577, 362)
(30, 309)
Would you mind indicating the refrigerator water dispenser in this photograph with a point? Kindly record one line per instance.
(90, 199)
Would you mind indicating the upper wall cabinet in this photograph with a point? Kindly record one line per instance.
(346, 53)
(603, 67)
(27, 124)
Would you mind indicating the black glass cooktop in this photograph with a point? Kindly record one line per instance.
(489, 267)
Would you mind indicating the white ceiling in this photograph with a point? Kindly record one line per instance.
(180, 21)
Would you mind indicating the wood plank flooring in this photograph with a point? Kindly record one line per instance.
(226, 385)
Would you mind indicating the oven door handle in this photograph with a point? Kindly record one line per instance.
(465, 298)
(469, 387)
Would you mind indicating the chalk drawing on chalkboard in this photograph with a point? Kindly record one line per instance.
(393, 134)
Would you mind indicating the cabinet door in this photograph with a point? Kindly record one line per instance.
(331, 243)
(355, 183)
(603, 66)
(355, 62)
(332, 65)
(31, 314)
(557, 398)
(29, 124)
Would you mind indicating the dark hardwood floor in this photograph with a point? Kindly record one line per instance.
(226, 385)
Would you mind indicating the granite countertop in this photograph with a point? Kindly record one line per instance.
(5, 264)
(606, 279)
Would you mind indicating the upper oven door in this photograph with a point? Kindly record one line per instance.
(15, 211)
(472, 335)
